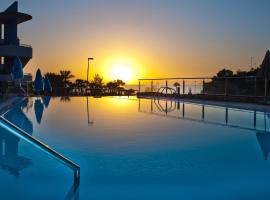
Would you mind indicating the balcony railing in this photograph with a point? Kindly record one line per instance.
(25, 45)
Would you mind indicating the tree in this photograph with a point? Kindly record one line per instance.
(116, 86)
(177, 87)
(112, 87)
(66, 76)
(225, 73)
(97, 81)
(55, 79)
(119, 84)
(80, 84)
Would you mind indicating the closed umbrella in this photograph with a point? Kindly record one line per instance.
(38, 84)
(18, 117)
(17, 70)
(264, 141)
(39, 108)
(46, 100)
(264, 72)
(47, 85)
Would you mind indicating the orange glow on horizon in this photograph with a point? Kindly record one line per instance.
(120, 67)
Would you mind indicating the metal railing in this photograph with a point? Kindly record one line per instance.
(251, 86)
(181, 109)
(4, 123)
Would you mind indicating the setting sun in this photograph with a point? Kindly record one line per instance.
(122, 72)
(120, 67)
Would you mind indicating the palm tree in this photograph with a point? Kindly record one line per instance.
(66, 76)
(55, 79)
(111, 87)
(97, 81)
(177, 87)
(80, 84)
(119, 84)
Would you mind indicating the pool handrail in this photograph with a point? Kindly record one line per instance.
(4, 123)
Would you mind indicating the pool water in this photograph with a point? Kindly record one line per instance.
(136, 149)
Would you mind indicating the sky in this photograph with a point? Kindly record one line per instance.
(131, 39)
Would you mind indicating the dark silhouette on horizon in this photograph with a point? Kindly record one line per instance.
(62, 85)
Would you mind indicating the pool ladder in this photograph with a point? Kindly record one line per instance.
(161, 90)
(4, 123)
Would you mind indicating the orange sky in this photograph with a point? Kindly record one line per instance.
(145, 38)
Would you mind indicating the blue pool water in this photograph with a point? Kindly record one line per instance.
(136, 149)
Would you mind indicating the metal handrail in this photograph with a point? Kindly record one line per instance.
(190, 78)
(4, 123)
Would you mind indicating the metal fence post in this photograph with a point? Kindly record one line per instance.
(166, 86)
(203, 112)
(226, 115)
(183, 86)
(139, 86)
(203, 86)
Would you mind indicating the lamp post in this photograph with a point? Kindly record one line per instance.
(88, 67)
(88, 117)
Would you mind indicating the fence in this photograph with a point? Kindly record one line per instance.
(227, 86)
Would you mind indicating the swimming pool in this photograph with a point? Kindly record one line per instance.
(136, 149)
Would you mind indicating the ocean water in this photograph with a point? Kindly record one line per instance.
(136, 149)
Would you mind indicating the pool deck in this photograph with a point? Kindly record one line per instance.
(226, 104)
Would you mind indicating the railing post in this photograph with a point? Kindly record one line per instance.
(166, 86)
(151, 105)
(183, 86)
(203, 86)
(226, 115)
(152, 86)
(166, 107)
(139, 85)
(183, 110)
(203, 112)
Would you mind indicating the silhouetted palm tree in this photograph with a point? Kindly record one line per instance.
(119, 84)
(177, 87)
(55, 79)
(111, 87)
(97, 82)
(80, 84)
(66, 75)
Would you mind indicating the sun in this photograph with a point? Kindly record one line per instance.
(122, 71)
(122, 67)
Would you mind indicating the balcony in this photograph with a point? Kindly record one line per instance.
(16, 50)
